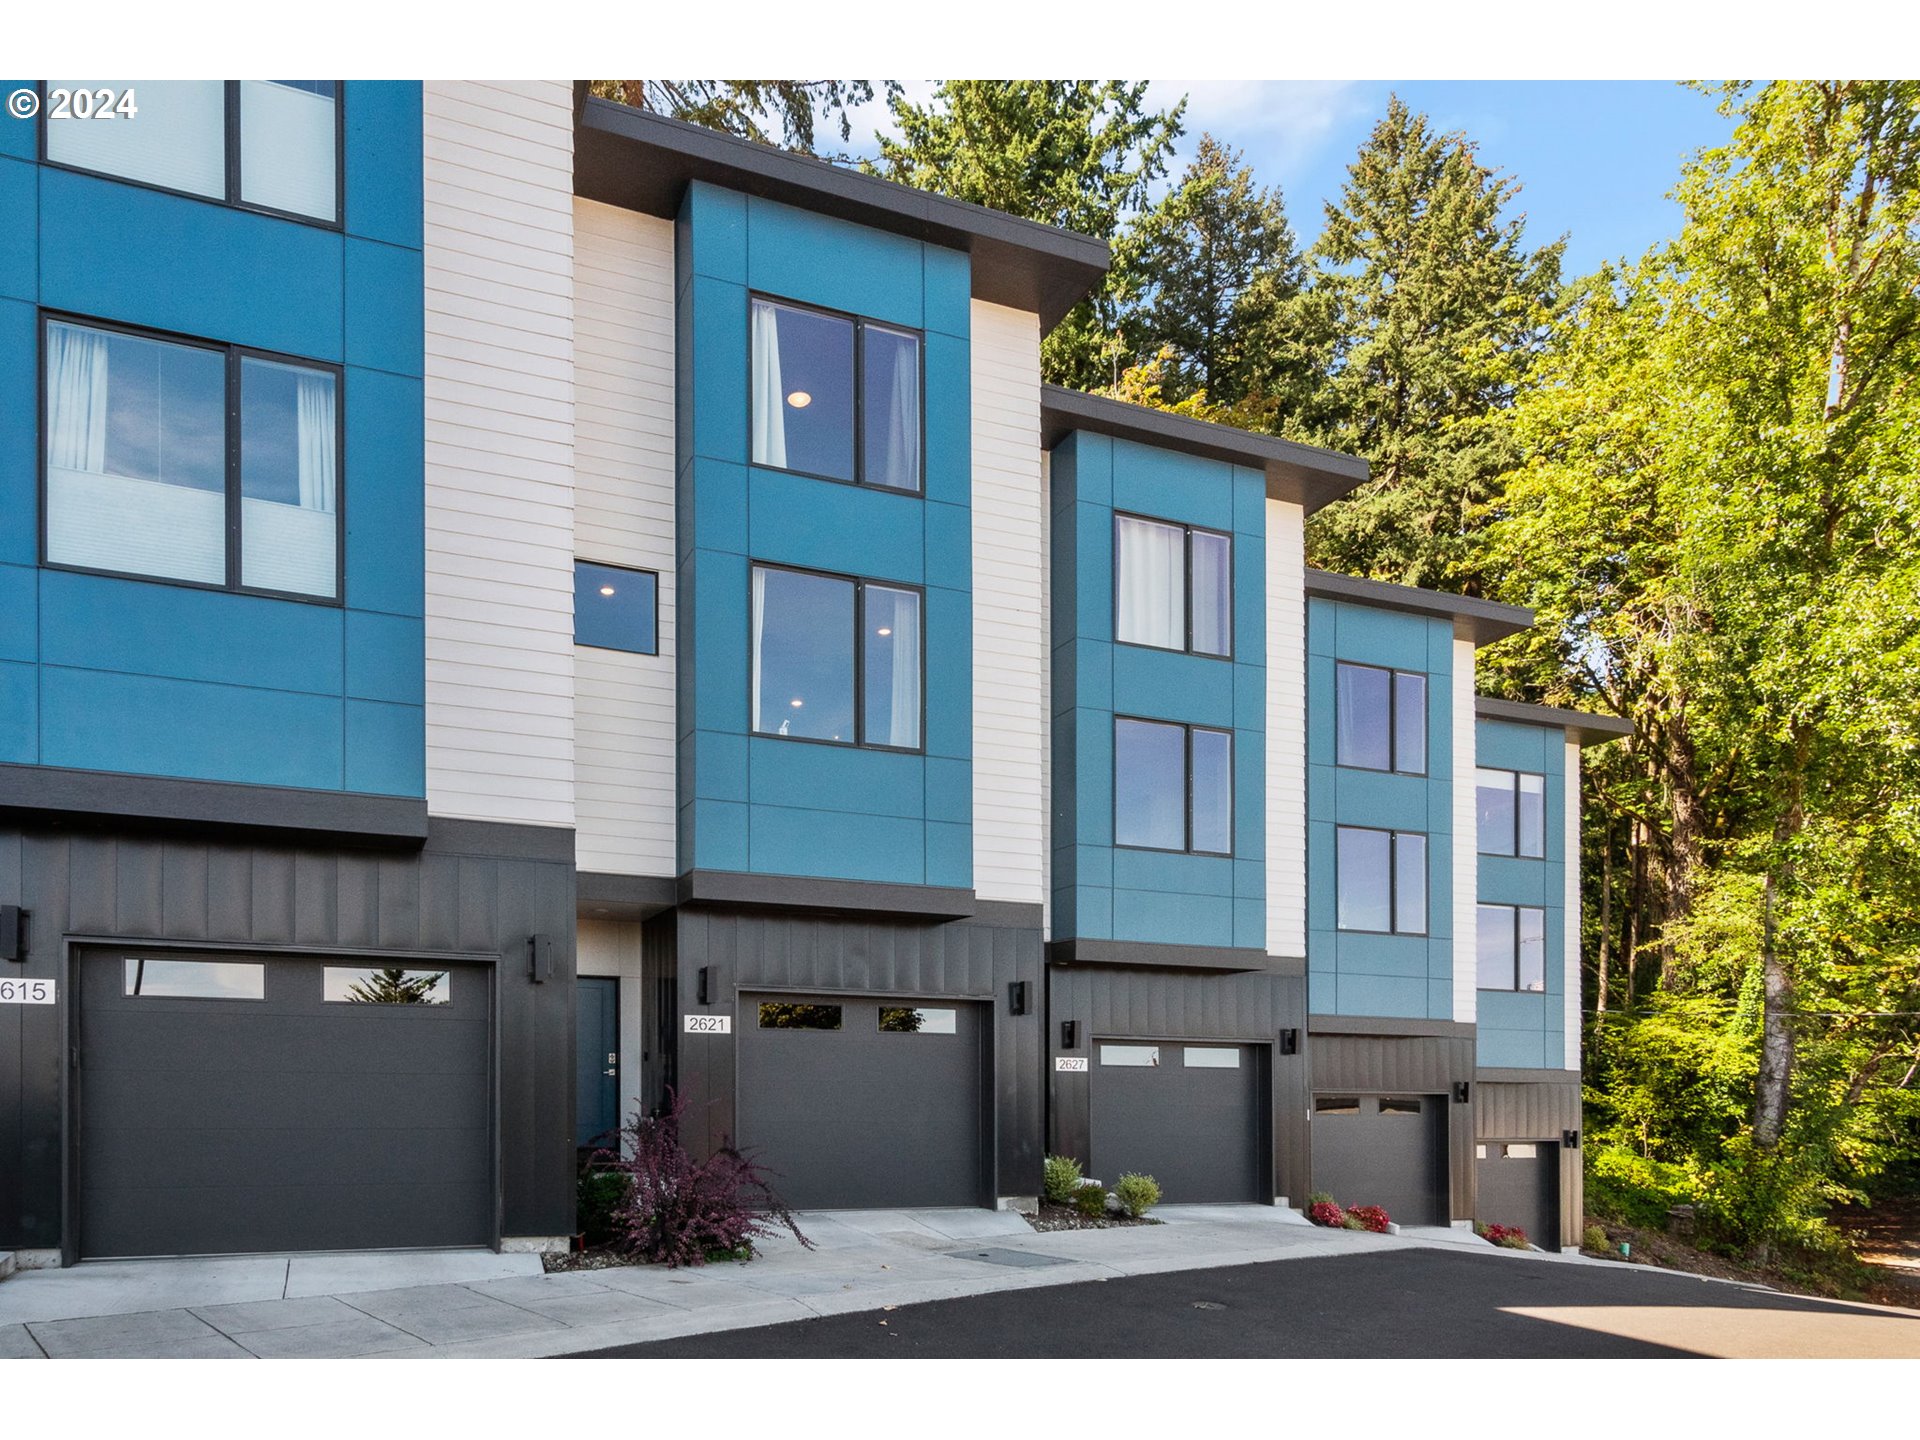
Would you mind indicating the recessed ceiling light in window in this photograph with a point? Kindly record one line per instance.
(799, 399)
(606, 589)
(796, 702)
(884, 630)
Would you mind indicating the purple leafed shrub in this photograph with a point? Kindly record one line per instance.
(678, 1212)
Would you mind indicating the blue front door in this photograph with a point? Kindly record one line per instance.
(597, 1110)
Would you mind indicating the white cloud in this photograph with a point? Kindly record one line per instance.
(1287, 121)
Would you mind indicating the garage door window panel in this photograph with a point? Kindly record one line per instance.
(1210, 1057)
(780, 1015)
(196, 979)
(388, 985)
(1336, 1105)
(915, 1020)
(1137, 1056)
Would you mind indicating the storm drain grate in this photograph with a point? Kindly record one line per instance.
(1009, 1257)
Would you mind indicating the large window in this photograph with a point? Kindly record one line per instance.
(265, 144)
(835, 397)
(1380, 880)
(1512, 807)
(1380, 718)
(144, 475)
(1513, 947)
(1172, 787)
(836, 659)
(1172, 586)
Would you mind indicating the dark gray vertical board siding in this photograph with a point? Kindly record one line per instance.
(792, 952)
(1541, 1111)
(1117, 1002)
(453, 895)
(1409, 1064)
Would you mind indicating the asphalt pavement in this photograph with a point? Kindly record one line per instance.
(1429, 1303)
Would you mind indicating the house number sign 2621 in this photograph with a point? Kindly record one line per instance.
(709, 1024)
(26, 992)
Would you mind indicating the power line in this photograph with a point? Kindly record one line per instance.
(1797, 1014)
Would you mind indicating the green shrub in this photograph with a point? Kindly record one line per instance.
(600, 1193)
(1594, 1239)
(1061, 1179)
(1622, 1185)
(1757, 1200)
(1091, 1199)
(1137, 1194)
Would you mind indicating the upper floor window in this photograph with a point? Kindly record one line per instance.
(145, 475)
(1172, 787)
(615, 608)
(836, 659)
(1172, 586)
(1513, 812)
(1380, 718)
(1380, 880)
(265, 144)
(835, 396)
(1513, 947)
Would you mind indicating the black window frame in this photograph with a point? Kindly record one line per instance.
(231, 200)
(1393, 766)
(860, 324)
(1186, 585)
(859, 583)
(653, 575)
(1186, 750)
(1513, 934)
(235, 356)
(1516, 853)
(1393, 881)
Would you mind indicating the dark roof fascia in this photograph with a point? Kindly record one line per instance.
(1301, 474)
(642, 161)
(1484, 620)
(1586, 728)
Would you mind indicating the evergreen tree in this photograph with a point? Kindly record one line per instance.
(1080, 154)
(746, 107)
(1210, 264)
(1425, 311)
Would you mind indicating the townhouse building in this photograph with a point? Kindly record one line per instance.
(512, 606)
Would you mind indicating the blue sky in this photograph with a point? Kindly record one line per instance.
(1595, 159)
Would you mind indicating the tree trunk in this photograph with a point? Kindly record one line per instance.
(1773, 1091)
(1606, 924)
(1687, 851)
(1636, 906)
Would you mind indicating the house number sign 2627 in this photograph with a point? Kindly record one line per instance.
(26, 992)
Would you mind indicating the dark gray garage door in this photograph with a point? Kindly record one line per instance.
(1519, 1183)
(234, 1104)
(1191, 1116)
(1385, 1150)
(863, 1102)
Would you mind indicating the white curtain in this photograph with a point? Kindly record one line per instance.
(769, 398)
(903, 449)
(759, 630)
(905, 729)
(76, 399)
(1152, 584)
(315, 436)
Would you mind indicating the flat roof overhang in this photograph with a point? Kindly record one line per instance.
(642, 161)
(1303, 475)
(1585, 727)
(1483, 620)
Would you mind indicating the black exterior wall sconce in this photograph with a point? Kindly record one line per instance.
(1289, 1042)
(1462, 1092)
(13, 933)
(1570, 1139)
(703, 986)
(1017, 997)
(539, 958)
(1069, 1034)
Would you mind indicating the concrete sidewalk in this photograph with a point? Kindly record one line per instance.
(478, 1304)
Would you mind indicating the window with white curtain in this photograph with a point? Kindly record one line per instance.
(141, 478)
(1380, 718)
(1172, 586)
(817, 640)
(284, 148)
(834, 396)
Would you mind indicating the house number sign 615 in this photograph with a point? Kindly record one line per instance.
(26, 992)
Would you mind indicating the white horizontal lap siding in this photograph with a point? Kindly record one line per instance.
(1466, 840)
(623, 515)
(1009, 643)
(1286, 729)
(498, 225)
(1571, 944)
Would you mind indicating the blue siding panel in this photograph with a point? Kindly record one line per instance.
(19, 235)
(386, 658)
(949, 420)
(386, 748)
(16, 139)
(19, 442)
(384, 160)
(797, 255)
(950, 854)
(152, 726)
(19, 613)
(838, 845)
(949, 290)
(386, 316)
(794, 520)
(19, 713)
(385, 495)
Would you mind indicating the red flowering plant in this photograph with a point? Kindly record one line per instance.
(1510, 1237)
(1370, 1217)
(1322, 1211)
